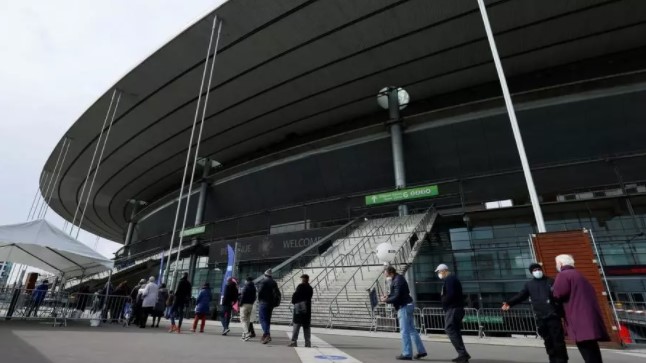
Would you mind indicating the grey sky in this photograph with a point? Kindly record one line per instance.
(56, 59)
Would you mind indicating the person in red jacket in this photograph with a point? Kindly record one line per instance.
(582, 313)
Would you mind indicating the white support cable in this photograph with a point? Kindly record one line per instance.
(89, 169)
(98, 165)
(49, 182)
(56, 178)
(199, 140)
(190, 145)
(533, 196)
(36, 195)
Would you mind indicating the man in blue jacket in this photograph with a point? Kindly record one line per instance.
(401, 300)
(453, 305)
(37, 298)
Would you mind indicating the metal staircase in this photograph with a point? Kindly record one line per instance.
(343, 276)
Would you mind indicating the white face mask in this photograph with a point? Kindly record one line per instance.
(389, 279)
(538, 274)
(440, 276)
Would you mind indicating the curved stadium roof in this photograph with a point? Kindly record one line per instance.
(292, 69)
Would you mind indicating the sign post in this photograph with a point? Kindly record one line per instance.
(403, 195)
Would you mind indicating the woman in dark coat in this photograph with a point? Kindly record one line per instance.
(583, 318)
(160, 306)
(302, 301)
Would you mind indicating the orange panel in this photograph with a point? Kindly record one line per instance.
(579, 245)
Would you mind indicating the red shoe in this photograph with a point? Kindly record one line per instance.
(173, 328)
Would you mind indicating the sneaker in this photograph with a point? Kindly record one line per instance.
(201, 331)
(245, 339)
(420, 355)
(403, 357)
(226, 331)
(308, 344)
(292, 344)
(192, 330)
(252, 335)
(173, 328)
(266, 340)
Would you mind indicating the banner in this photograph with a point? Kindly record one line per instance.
(275, 246)
(229, 271)
(160, 278)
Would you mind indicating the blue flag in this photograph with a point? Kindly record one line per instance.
(229, 272)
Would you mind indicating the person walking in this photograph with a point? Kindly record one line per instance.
(182, 297)
(135, 300)
(247, 299)
(169, 304)
(583, 319)
(160, 306)
(37, 298)
(453, 305)
(229, 298)
(302, 301)
(268, 298)
(117, 302)
(401, 300)
(547, 311)
(202, 307)
(82, 298)
(149, 296)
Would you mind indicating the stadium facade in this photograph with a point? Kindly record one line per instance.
(294, 138)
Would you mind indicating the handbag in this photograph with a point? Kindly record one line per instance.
(300, 308)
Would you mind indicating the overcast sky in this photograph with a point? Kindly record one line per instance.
(56, 59)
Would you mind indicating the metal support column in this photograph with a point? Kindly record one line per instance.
(533, 196)
(131, 224)
(397, 144)
(199, 215)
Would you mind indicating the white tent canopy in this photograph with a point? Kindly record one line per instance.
(39, 244)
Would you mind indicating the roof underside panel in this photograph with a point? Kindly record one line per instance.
(290, 68)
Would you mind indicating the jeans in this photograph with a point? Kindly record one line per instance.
(590, 351)
(408, 332)
(245, 318)
(168, 312)
(226, 316)
(453, 327)
(307, 333)
(551, 330)
(264, 313)
(178, 312)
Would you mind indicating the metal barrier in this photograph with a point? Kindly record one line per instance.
(31, 304)
(514, 321)
(484, 321)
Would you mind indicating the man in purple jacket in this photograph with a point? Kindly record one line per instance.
(582, 313)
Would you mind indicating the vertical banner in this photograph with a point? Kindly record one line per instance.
(161, 270)
(229, 272)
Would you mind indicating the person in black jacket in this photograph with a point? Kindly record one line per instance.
(453, 305)
(401, 300)
(136, 303)
(267, 295)
(302, 301)
(547, 311)
(229, 299)
(182, 297)
(247, 299)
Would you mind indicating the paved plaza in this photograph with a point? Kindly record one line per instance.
(34, 342)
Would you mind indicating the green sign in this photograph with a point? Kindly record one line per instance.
(193, 231)
(403, 194)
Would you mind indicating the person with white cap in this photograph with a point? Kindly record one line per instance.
(268, 298)
(453, 305)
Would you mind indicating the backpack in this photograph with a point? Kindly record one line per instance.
(276, 296)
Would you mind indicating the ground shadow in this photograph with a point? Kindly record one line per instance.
(16, 349)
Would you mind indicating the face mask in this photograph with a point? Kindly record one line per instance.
(538, 274)
(389, 279)
(440, 276)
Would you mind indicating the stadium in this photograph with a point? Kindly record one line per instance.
(294, 140)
